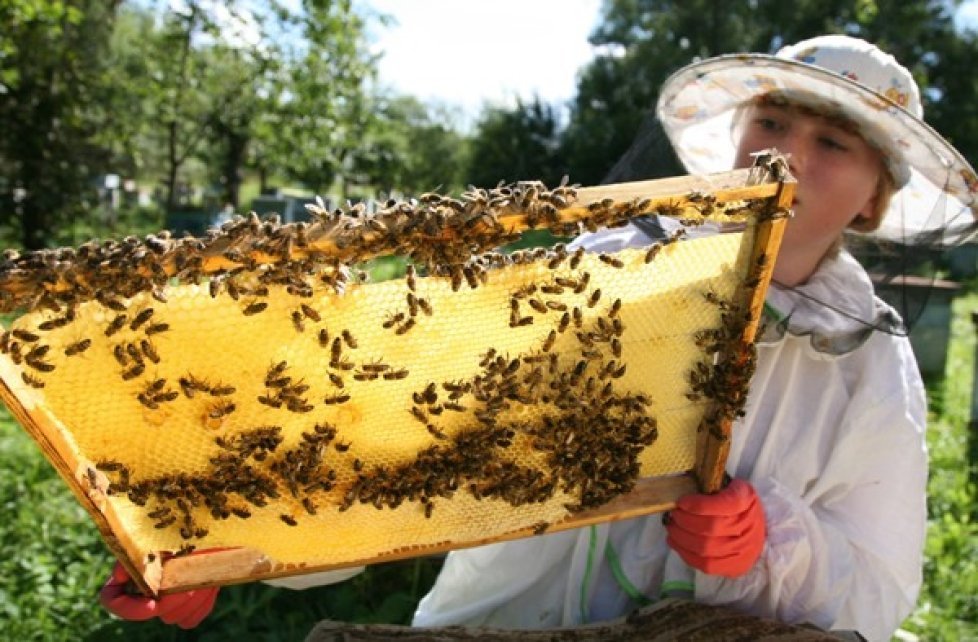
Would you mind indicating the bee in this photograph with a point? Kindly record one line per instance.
(243, 513)
(31, 381)
(141, 318)
(40, 366)
(349, 339)
(551, 288)
(116, 324)
(435, 432)
(25, 336)
(455, 407)
(221, 409)
(112, 304)
(310, 312)
(309, 505)
(134, 353)
(255, 307)
(157, 328)
(396, 374)
(578, 317)
(487, 357)
(557, 306)
(540, 528)
(402, 329)
(616, 348)
(360, 375)
(336, 380)
(611, 260)
(548, 343)
(341, 446)
(575, 259)
(457, 277)
(111, 466)
(159, 512)
(617, 326)
(53, 324)
(564, 321)
(269, 401)
(336, 399)
(538, 305)
(594, 298)
(288, 519)
(615, 309)
(428, 507)
(37, 352)
(714, 298)
(470, 276)
(166, 521)
(419, 414)
(276, 369)
(411, 278)
(323, 337)
(357, 465)
(392, 320)
(146, 401)
(147, 348)
(425, 306)
(525, 291)
(222, 391)
(652, 253)
(297, 321)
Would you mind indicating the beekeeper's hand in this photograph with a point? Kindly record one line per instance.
(719, 534)
(186, 609)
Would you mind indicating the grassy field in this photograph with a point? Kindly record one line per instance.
(52, 561)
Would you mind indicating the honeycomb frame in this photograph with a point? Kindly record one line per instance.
(386, 519)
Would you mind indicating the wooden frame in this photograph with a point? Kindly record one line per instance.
(155, 574)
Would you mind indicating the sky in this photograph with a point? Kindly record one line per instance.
(471, 52)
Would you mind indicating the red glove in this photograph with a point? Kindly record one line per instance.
(719, 534)
(186, 609)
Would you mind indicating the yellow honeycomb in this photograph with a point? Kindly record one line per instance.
(289, 430)
(245, 394)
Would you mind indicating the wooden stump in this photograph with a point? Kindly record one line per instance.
(668, 619)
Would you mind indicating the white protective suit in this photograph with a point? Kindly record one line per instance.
(833, 441)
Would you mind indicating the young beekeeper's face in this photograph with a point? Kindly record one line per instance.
(836, 169)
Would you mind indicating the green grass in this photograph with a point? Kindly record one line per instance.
(948, 605)
(52, 560)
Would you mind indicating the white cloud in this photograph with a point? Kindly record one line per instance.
(468, 52)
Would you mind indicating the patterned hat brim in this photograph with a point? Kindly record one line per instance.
(939, 188)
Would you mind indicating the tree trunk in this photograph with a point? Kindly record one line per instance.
(233, 161)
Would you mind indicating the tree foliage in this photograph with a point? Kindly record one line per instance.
(522, 143)
(639, 43)
(51, 64)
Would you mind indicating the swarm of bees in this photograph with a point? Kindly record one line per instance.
(585, 438)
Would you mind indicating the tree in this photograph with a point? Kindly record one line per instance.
(644, 41)
(50, 82)
(411, 147)
(522, 143)
(320, 110)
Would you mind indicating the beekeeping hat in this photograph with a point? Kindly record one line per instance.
(937, 197)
